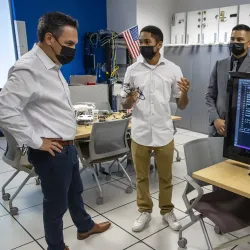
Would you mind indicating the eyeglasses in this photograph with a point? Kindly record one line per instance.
(128, 88)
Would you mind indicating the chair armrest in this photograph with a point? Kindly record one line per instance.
(200, 191)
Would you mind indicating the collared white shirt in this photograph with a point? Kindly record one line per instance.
(151, 118)
(35, 101)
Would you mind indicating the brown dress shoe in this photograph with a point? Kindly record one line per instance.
(66, 248)
(97, 229)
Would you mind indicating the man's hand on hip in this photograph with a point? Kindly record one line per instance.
(220, 126)
(51, 146)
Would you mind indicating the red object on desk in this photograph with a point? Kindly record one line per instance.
(90, 83)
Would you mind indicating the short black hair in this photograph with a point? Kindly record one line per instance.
(155, 31)
(54, 22)
(242, 27)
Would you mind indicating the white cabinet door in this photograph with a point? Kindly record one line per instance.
(178, 28)
(194, 21)
(210, 26)
(227, 20)
(244, 15)
(21, 38)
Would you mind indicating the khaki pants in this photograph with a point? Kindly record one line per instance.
(164, 159)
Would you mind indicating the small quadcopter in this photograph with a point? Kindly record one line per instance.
(129, 88)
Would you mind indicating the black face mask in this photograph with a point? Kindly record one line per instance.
(66, 55)
(148, 52)
(237, 48)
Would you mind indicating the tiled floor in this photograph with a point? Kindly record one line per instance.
(25, 231)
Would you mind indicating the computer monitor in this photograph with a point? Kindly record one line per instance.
(237, 138)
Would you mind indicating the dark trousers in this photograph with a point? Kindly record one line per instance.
(62, 188)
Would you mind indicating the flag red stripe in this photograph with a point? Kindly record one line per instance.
(129, 38)
(128, 46)
(133, 46)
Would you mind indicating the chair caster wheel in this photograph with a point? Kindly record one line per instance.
(178, 159)
(6, 197)
(14, 211)
(129, 190)
(120, 174)
(99, 201)
(217, 230)
(102, 170)
(129, 162)
(38, 181)
(182, 243)
(108, 178)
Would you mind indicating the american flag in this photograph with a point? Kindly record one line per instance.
(131, 37)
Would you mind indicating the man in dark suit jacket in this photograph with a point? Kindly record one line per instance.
(216, 95)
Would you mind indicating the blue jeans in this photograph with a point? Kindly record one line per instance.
(62, 188)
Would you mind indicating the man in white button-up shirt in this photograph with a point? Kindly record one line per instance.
(153, 80)
(35, 108)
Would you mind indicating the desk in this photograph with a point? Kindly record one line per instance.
(229, 175)
(232, 176)
(85, 131)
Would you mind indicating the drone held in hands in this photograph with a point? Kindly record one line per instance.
(129, 88)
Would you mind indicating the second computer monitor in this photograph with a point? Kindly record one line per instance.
(237, 138)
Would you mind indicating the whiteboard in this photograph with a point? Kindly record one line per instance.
(194, 21)
(210, 26)
(178, 28)
(7, 49)
(244, 14)
(228, 20)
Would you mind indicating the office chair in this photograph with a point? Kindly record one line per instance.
(14, 157)
(108, 143)
(173, 108)
(228, 211)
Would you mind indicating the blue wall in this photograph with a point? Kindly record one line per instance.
(91, 15)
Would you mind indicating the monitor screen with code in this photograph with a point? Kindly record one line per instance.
(242, 122)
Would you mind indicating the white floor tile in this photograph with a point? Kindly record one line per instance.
(1, 153)
(243, 247)
(126, 215)
(167, 239)
(30, 195)
(178, 191)
(89, 181)
(2, 211)
(196, 135)
(181, 152)
(181, 131)
(114, 196)
(16, 182)
(3, 144)
(179, 169)
(129, 169)
(183, 138)
(12, 234)
(32, 220)
(31, 246)
(153, 181)
(242, 233)
(139, 246)
(113, 239)
(5, 167)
